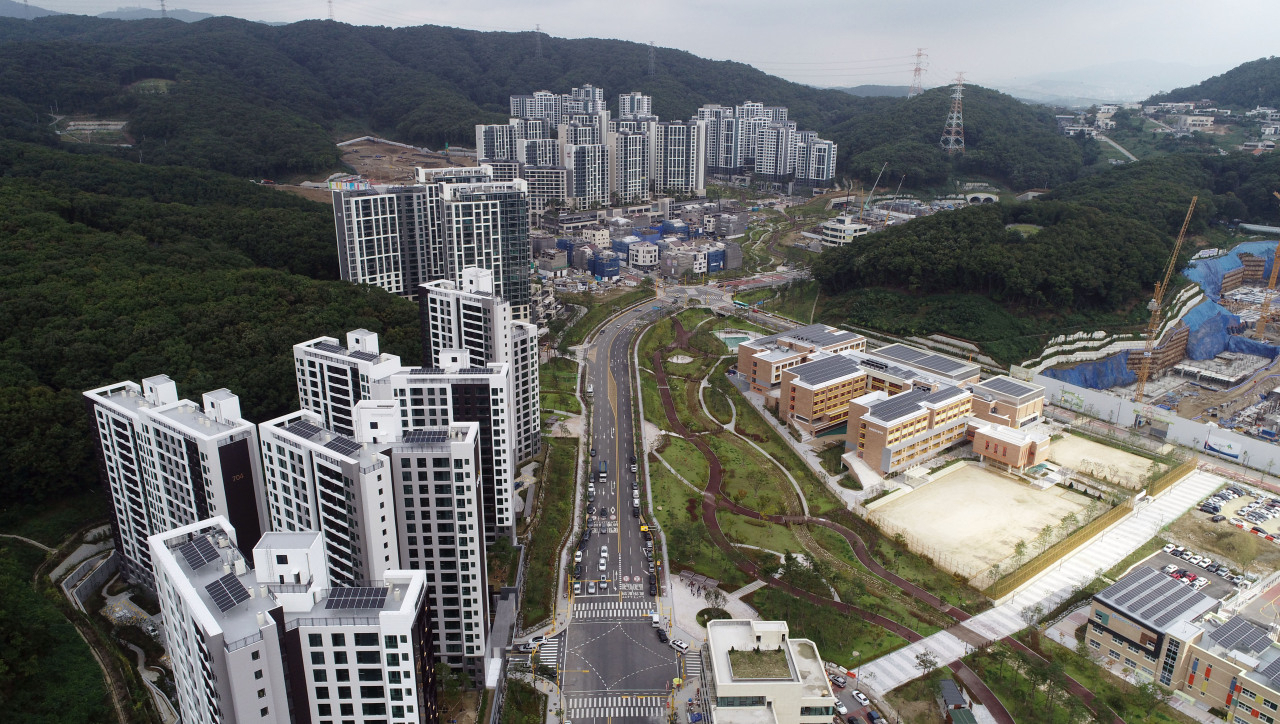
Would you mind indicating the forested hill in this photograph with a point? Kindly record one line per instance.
(1256, 83)
(258, 100)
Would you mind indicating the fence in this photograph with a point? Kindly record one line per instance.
(1055, 552)
(1168, 479)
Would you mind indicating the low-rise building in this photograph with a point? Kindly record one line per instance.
(757, 674)
(842, 230)
(1008, 402)
(893, 433)
(761, 361)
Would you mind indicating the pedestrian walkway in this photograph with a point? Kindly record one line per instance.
(615, 707)
(692, 663)
(612, 609)
(549, 652)
(1048, 589)
(749, 588)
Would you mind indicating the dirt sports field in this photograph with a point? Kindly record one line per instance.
(970, 518)
(1100, 461)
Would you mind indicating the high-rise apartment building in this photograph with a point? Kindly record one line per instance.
(588, 167)
(538, 152)
(170, 462)
(267, 637)
(397, 237)
(468, 315)
(389, 499)
(815, 158)
(679, 161)
(724, 150)
(774, 151)
(495, 141)
(457, 389)
(542, 105)
(634, 105)
(629, 166)
(548, 187)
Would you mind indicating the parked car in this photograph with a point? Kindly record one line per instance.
(1218, 518)
(591, 586)
(577, 587)
(862, 698)
(841, 708)
(1167, 548)
(838, 681)
(662, 636)
(1169, 569)
(679, 645)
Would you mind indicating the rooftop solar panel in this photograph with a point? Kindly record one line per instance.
(343, 446)
(823, 370)
(303, 429)
(421, 436)
(1008, 386)
(360, 355)
(898, 405)
(358, 597)
(198, 552)
(329, 347)
(1240, 634)
(1271, 671)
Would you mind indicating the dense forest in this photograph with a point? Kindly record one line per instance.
(1081, 258)
(112, 270)
(1256, 83)
(258, 100)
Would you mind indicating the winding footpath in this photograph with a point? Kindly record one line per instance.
(714, 499)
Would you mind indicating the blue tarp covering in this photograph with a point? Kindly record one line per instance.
(1099, 375)
(1214, 330)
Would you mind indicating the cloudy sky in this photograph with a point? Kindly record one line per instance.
(847, 42)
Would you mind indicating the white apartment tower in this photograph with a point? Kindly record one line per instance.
(268, 638)
(815, 158)
(496, 141)
(775, 151)
(469, 316)
(588, 167)
(455, 390)
(679, 162)
(634, 105)
(629, 166)
(170, 462)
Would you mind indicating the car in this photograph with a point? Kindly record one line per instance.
(1178, 575)
(647, 535)
(652, 579)
(635, 485)
(1256, 529)
(841, 708)
(577, 587)
(604, 565)
(1168, 548)
(577, 571)
(537, 640)
(526, 648)
(577, 556)
(604, 551)
(1193, 560)
(635, 512)
(653, 589)
(1217, 518)
(874, 717)
(591, 586)
(1200, 583)
(862, 698)
(631, 458)
(1207, 563)
(593, 452)
(838, 681)
(1224, 571)
(1169, 569)
(662, 636)
(604, 586)
(679, 645)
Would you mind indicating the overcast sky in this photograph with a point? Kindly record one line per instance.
(841, 42)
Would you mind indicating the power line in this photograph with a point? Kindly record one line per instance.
(917, 76)
(828, 62)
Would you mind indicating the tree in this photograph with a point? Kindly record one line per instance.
(715, 598)
(1044, 537)
(1148, 695)
(1019, 551)
(926, 661)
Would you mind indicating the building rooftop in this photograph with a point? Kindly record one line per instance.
(799, 663)
(909, 404)
(1007, 388)
(947, 367)
(825, 369)
(1155, 600)
(1245, 643)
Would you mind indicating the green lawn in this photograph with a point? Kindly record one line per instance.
(749, 479)
(795, 301)
(555, 519)
(718, 405)
(830, 457)
(1143, 551)
(656, 337)
(597, 313)
(50, 676)
(653, 411)
(691, 417)
(558, 379)
(755, 295)
(523, 704)
(758, 533)
(836, 635)
(692, 316)
(690, 546)
(686, 459)
(560, 401)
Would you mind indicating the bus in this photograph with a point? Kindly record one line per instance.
(738, 303)
(590, 390)
(604, 471)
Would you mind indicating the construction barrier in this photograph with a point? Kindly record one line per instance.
(1057, 551)
(1168, 479)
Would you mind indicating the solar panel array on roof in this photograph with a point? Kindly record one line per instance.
(361, 355)
(226, 592)
(475, 371)
(944, 393)
(421, 436)
(823, 370)
(1240, 634)
(1008, 386)
(302, 429)
(919, 358)
(340, 598)
(1148, 596)
(199, 552)
(898, 405)
(329, 347)
(343, 446)
(1271, 671)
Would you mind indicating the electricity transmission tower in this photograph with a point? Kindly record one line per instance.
(331, 9)
(164, 12)
(537, 40)
(651, 56)
(953, 135)
(917, 75)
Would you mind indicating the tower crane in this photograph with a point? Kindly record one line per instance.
(1260, 331)
(1156, 304)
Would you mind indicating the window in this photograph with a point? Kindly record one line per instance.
(816, 711)
(322, 692)
(257, 674)
(255, 655)
(736, 701)
(366, 657)
(317, 658)
(1094, 644)
(1247, 694)
(366, 639)
(262, 693)
(282, 559)
(339, 657)
(262, 711)
(315, 640)
(343, 674)
(1113, 654)
(374, 709)
(370, 674)
(338, 639)
(344, 692)
(372, 692)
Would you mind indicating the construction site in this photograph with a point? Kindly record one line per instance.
(1216, 360)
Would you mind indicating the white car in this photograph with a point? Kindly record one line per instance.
(862, 698)
(604, 551)
(577, 556)
(1194, 560)
(1168, 548)
(604, 565)
(1169, 569)
(841, 709)
(679, 645)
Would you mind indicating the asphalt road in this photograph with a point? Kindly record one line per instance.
(612, 664)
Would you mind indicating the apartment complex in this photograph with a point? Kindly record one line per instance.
(756, 674)
(397, 237)
(168, 463)
(459, 388)
(468, 315)
(760, 139)
(267, 637)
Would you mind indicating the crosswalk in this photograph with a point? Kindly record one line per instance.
(692, 663)
(549, 652)
(611, 609)
(616, 707)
